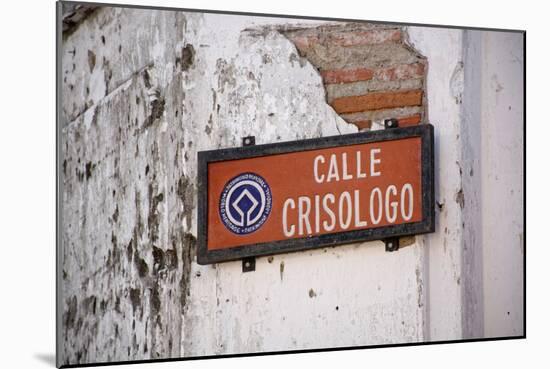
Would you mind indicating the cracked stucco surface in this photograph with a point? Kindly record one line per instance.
(138, 107)
(142, 92)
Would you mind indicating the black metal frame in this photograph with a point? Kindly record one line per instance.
(427, 225)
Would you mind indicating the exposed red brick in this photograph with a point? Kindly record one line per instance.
(370, 37)
(357, 38)
(302, 42)
(377, 100)
(400, 72)
(409, 121)
(363, 124)
(346, 75)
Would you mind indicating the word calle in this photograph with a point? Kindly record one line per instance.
(333, 173)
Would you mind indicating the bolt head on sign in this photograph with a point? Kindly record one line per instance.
(292, 196)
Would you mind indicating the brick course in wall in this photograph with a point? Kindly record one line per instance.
(369, 72)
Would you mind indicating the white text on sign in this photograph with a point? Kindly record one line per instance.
(348, 209)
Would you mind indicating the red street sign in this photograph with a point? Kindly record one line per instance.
(267, 199)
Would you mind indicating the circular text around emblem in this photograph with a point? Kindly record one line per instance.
(245, 203)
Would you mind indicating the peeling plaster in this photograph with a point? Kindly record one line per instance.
(143, 92)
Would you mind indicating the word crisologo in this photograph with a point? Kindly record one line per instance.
(245, 203)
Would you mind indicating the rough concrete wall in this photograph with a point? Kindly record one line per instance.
(74, 14)
(110, 47)
(502, 189)
(127, 199)
(298, 301)
(143, 91)
(442, 261)
(471, 174)
(474, 262)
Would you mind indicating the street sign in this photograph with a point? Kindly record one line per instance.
(292, 196)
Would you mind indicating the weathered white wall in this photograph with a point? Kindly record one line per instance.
(475, 98)
(322, 298)
(472, 174)
(161, 86)
(502, 191)
(442, 250)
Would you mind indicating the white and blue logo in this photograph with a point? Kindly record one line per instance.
(245, 203)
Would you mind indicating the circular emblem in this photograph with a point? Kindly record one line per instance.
(245, 203)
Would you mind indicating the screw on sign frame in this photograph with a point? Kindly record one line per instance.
(315, 193)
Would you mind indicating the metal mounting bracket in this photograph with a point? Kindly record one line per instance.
(249, 264)
(249, 140)
(392, 244)
(391, 123)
